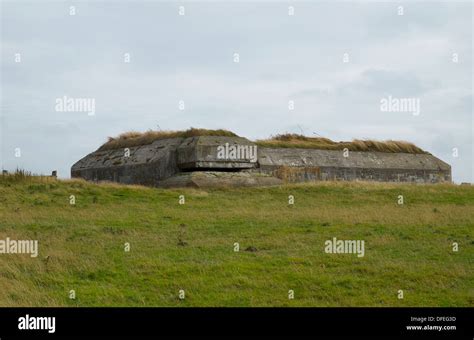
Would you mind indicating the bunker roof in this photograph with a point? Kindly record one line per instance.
(133, 138)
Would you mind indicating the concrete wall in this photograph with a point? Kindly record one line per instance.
(202, 152)
(146, 165)
(296, 165)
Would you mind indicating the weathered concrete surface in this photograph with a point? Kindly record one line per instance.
(202, 153)
(210, 179)
(146, 165)
(296, 165)
(196, 161)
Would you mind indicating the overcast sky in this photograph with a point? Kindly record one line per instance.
(282, 57)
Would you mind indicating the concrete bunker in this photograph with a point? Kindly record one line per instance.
(228, 160)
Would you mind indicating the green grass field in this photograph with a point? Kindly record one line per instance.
(190, 247)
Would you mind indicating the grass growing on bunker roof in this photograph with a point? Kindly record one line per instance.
(134, 138)
(291, 140)
(288, 140)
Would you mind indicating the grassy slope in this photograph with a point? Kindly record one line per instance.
(407, 247)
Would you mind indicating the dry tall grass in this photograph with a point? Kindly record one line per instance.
(291, 140)
(134, 138)
(21, 175)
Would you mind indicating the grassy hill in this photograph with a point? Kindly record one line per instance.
(191, 246)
